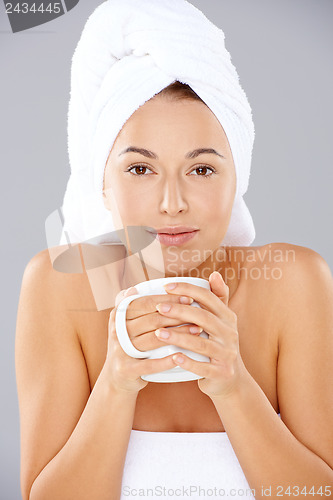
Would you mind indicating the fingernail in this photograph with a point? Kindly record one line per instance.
(163, 308)
(196, 329)
(185, 300)
(178, 359)
(170, 286)
(163, 334)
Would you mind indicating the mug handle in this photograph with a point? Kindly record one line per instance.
(120, 322)
(128, 347)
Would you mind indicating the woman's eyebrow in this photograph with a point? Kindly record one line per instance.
(190, 154)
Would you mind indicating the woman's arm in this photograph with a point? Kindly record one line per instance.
(73, 443)
(292, 456)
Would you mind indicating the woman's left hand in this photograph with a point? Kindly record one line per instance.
(222, 375)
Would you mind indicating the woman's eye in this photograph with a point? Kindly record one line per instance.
(143, 170)
(202, 171)
(138, 170)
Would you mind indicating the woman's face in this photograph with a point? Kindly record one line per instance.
(183, 175)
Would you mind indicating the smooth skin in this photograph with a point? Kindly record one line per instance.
(270, 340)
(173, 189)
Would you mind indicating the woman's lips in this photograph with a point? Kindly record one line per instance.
(175, 239)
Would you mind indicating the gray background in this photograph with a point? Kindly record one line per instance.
(282, 51)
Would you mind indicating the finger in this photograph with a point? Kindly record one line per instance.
(219, 287)
(149, 322)
(147, 304)
(197, 344)
(148, 341)
(212, 369)
(189, 314)
(133, 368)
(201, 368)
(148, 366)
(219, 352)
(206, 298)
(210, 323)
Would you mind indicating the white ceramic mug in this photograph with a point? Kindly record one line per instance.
(155, 287)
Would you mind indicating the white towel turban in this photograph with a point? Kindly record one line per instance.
(130, 50)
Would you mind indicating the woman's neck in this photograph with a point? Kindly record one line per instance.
(136, 269)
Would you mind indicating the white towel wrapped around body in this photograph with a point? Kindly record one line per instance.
(129, 51)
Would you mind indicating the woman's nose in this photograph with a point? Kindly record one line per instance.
(173, 198)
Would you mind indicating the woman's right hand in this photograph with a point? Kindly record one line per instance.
(142, 319)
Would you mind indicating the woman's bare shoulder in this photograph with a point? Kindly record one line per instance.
(42, 275)
(276, 274)
(286, 263)
(274, 258)
(285, 279)
(65, 272)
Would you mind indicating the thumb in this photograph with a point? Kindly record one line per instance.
(219, 287)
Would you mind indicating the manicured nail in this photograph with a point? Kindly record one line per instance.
(185, 300)
(170, 286)
(162, 334)
(196, 329)
(178, 359)
(164, 308)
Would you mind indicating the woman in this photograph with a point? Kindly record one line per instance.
(91, 427)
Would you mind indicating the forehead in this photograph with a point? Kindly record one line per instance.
(178, 123)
